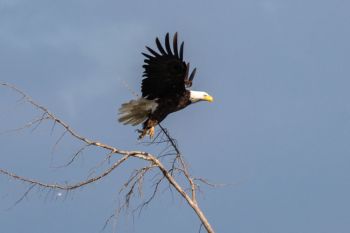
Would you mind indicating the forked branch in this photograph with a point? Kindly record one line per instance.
(178, 165)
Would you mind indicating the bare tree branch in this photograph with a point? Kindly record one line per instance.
(136, 180)
(65, 187)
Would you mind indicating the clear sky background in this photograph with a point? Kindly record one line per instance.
(278, 131)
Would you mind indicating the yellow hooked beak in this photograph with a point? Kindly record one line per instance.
(208, 98)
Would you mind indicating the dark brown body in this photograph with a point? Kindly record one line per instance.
(165, 107)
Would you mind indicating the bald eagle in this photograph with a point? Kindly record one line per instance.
(164, 88)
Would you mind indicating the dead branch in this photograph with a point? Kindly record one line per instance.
(65, 187)
(136, 180)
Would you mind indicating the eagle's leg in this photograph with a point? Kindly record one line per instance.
(145, 132)
(148, 128)
(151, 132)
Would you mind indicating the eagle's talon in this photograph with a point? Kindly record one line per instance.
(142, 133)
(151, 132)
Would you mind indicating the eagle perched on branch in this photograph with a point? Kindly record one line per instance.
(164, 88)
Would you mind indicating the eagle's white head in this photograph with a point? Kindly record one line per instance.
(196, 96)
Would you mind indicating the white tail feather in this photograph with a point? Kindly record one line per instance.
(136, 111)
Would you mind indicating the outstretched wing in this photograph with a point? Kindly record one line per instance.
(166, 74)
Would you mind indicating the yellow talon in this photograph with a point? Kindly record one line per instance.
(151, 132)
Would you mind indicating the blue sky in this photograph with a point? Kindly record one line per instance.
(278, 131)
